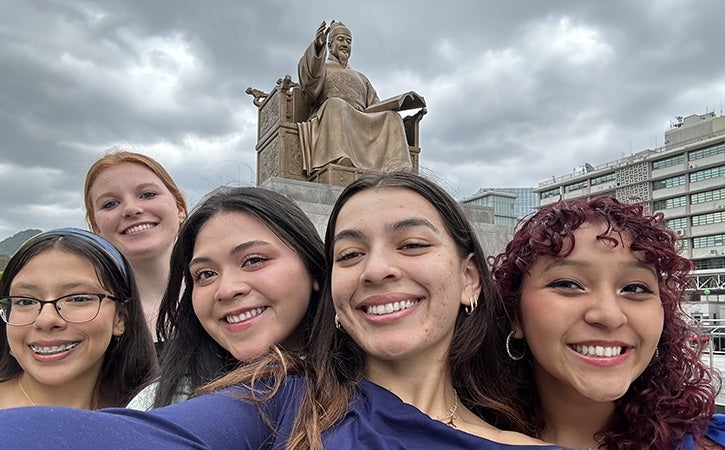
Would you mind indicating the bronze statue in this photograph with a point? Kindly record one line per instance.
(348, 123)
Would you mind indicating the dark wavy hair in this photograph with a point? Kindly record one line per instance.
(335, 363)
(190, 355)
(130, 359)
(675, 395)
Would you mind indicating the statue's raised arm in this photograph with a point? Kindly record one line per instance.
(348, 124)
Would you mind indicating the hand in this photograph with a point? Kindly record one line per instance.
(321, 36)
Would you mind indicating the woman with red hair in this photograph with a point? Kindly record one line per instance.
(592, 334)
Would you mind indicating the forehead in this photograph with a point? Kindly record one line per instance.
(381, 206)
(126, 173)
(231, 227)
(54, 265)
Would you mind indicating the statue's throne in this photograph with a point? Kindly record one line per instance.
(278, 145)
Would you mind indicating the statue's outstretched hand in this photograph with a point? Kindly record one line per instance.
(321, 36)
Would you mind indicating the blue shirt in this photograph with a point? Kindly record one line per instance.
(376, 419)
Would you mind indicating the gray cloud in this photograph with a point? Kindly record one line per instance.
(517, 91)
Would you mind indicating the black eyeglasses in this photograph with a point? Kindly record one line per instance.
(73, 308)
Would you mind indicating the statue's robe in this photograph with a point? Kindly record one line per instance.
(339, 130)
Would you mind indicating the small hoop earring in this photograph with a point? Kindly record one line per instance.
(337, 322)
(508, 348)
(472, 307)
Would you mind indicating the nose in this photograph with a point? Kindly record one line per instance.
(131, 208)
(380, 266)
(49, 318)
(231, 286)
(606, 311)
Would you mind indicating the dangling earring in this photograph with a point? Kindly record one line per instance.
(508, 348)
(337, 323)
(472, 306)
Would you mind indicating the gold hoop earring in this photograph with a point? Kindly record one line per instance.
(472, 306)
(508, 348)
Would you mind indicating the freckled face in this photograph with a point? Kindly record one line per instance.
(135, 211)
(398, 281)
(250, 289)
(592, 320)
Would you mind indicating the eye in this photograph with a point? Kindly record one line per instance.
(20, 302)
(253, 260)
(564, 284)
(148, 195)
(637, 288)
(79, 299)
(202, 275)
(109, 204)
(347, 255)
(412, 245)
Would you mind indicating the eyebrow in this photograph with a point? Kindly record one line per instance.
(238, 249)
(393, 227)
(566, 262)
(87, 284)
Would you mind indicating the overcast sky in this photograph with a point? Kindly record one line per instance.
(517, 91)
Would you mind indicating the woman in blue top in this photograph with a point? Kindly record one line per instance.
(594, 334)
(394, 360)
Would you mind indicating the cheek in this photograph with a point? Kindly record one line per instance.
(200, 305)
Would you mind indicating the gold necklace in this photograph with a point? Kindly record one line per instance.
(22, 389)
(450, 417)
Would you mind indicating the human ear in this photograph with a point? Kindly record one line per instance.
(471, 280)
(119, 323)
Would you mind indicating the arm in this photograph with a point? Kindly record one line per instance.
(219, 421)
(311, 68)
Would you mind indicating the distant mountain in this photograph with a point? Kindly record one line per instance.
(10, 245)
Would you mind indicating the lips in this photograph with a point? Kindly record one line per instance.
(54, 349)
(242, 317)
(600, 351)
(388, 308)
(138, 228)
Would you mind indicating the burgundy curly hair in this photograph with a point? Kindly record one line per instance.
(675, 395)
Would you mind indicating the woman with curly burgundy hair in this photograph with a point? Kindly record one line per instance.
(594, 340)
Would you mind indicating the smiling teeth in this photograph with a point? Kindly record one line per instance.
(388, 308)
(54, 349)
(245, 316)
(597, 350)
(137, 228)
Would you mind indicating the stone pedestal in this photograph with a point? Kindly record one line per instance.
(317, 200)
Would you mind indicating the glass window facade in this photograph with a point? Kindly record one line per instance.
(706, 174)
(674, 202)
(603, 179)
(715, 240)
(710, 263)
(680, 222)
(550, 193)
(668, 162)
(708, 219)
(576, 186)
(678, 180)
(707, 196)
(706, 152)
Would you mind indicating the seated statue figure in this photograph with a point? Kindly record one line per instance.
(348, 123)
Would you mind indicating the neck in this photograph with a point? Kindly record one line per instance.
(151, 277)
(78, 393)
(426, 386)
(573, 422)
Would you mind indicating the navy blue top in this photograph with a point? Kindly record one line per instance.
(377, 419)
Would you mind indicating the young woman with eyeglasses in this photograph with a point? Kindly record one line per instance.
(72, 328)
